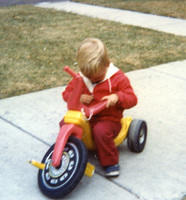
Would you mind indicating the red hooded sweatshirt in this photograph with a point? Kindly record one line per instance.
(115, 82)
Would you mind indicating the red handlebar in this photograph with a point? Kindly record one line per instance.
(70, 72)
(95, 109)
(74, 103)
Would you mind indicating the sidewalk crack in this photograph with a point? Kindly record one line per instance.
(24, 131)
(121, 186)
(169, 74)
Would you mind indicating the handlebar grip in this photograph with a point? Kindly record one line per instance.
(98, 107)
(70, 71)
(95, 109)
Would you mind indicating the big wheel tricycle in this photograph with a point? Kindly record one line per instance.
(66, 161)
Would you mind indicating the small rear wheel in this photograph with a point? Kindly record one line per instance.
(137, 135)
(58, 182)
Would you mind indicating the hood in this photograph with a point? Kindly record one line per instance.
(112, 69)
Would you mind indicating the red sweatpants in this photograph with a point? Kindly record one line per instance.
(104, 133)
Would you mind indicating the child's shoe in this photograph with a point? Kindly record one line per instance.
(112, 171)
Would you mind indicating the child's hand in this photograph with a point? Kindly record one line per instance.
(86, 98)
(111, 100)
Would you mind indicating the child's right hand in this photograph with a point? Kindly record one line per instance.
(86, 98)
(111, 100)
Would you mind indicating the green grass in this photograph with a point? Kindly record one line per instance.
(36, 43)
(172, 8)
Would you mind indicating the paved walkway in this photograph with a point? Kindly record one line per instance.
(160, 23)
(29, 125)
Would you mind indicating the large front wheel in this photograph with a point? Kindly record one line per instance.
(58, 182)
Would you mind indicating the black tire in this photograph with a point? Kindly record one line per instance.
(58, 182)
(137, 135)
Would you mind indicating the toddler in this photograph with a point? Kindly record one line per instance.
(103, 81)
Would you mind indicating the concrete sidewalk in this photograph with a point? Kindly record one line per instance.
(29, 124)
(159, 23)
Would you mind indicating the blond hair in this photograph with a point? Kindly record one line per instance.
(92, 57)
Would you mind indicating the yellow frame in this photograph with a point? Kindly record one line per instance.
(76, 117)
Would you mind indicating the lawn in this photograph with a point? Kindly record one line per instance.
(35, 44)
(171, 8)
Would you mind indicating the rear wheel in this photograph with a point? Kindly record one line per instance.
(137, 135)
(58, 182)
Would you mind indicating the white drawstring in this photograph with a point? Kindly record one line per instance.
(110, 86)
(84, 115)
